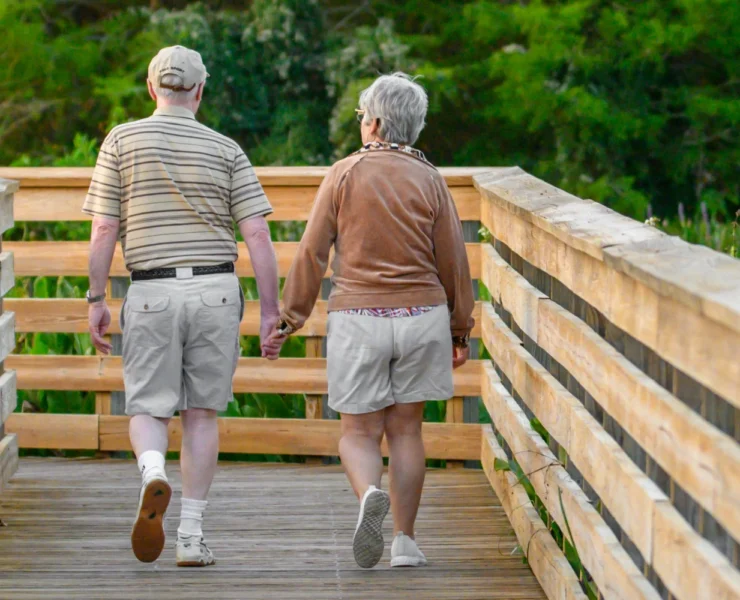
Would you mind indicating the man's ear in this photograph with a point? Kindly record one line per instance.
(150, 87)
(199, 92)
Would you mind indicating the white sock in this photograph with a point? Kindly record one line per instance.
(191, 517)
(151, 463)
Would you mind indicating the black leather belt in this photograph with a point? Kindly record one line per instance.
(172, 273)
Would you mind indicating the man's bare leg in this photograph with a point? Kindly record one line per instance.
(198, 461)
(149, 440)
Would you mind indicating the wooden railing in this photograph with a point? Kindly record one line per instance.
(57, 195)
(623, 343)
(8, 443)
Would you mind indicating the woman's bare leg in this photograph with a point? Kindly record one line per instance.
(407, 463)
(359, 450)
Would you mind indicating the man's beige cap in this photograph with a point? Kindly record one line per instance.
(182, 62)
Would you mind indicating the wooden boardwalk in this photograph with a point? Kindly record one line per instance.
(278, 531)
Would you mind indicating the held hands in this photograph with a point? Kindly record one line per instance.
(459, 356)
(270, 340)
(98, 316)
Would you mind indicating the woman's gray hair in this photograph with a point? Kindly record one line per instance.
(401, 105)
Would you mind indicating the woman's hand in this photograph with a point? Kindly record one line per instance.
(460, 356)
(272, 343)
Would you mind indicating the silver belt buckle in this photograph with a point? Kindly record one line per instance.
(184, 272)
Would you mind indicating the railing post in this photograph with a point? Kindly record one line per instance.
(8, 396)
(313, 402)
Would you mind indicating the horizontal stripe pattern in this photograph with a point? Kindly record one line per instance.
(177, 187)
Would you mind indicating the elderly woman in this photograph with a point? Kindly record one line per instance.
(399, 311)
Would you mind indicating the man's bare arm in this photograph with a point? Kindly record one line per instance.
(102, 247)
(256, 234)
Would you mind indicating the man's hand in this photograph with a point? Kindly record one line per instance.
(269, 343)
(459, 356)
(99, 321)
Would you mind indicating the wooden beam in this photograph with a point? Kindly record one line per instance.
(58, 432)
(284, 376)
(289, 203)
(601, 553)
(8, 395)
(7, 272)
(7, 333)
(549, 565)
(57, 259)
(9, 188)
(79, 177)
(8, 459)
(238, 435)
(631, 497)
(704, 461)
(660, 316)
(69, 315)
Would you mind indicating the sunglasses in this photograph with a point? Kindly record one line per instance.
(360, 114)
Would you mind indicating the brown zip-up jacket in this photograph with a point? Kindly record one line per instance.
(397, 237)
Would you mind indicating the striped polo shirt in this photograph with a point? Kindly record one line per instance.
(177, 187)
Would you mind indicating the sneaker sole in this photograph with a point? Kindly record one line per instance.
(195, 563)
(408, 561)
(147, 535)
(368, 543)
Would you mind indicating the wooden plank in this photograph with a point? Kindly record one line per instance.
(56, 259)
(40, 204)
(8, 459)
(702, 459)
(631, 497)
(269, 176)
(238, 435)
(9, 188)
(8, 394)
(545, 558)
(663, 323)
(599, 549)
(688, 564)
(293, 522)
(287, 375)
(69, 315)
(455, 414)
(7, 334)
(313, 402)
(60, 432)
(7, 272)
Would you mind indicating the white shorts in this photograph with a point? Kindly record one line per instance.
(375, 362)
(180, 343)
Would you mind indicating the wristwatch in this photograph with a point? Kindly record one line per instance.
(461, 341)
(94, 299)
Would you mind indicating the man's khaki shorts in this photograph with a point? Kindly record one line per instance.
(374, 362)
(180, 343)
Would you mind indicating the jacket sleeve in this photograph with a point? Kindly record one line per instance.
(303, 283)
(452, 263)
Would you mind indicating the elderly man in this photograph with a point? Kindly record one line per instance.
(172, 189)
(400, 308)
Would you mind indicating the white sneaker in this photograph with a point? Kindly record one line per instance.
(367, 544)
(147, 535)
(192, 551)
(405, 552)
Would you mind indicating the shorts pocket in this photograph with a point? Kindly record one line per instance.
(147, 321)
(220, 315)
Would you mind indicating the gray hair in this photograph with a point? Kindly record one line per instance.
(184, 97)
(401, 105)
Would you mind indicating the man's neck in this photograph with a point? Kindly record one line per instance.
(163, 104)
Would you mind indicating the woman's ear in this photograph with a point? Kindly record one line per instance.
(375, 128)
